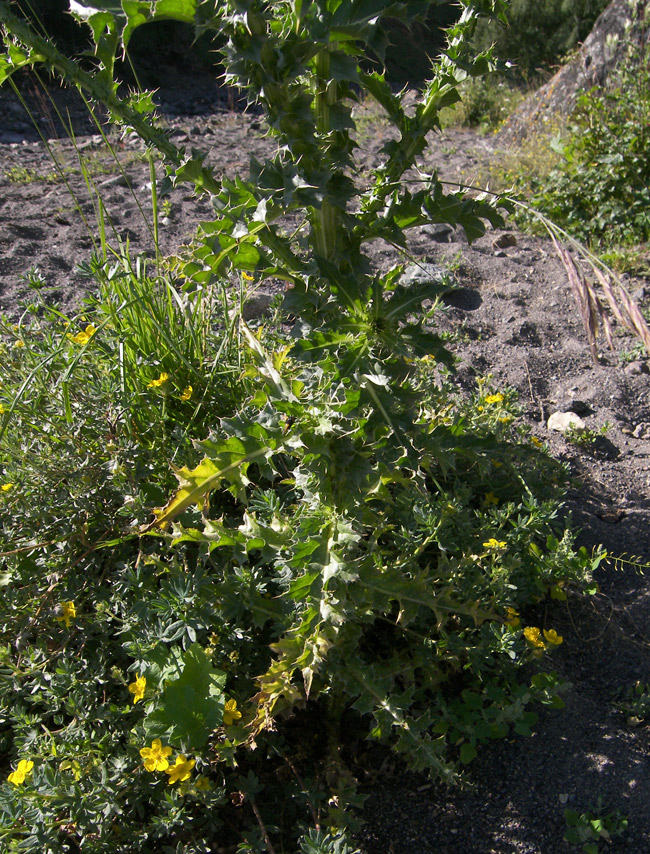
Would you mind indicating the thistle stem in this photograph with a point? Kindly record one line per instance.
(326, 218)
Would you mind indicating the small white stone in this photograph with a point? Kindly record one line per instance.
(563, 421)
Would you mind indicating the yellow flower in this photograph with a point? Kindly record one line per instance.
(19, 343)
(155, 757)
(537, 442)
(552, 637)
(7, 486)
(83, 337)
(247, 277)
(181, 770)
(137, 688)
(202, 784)
(532, 635)
(512, 617)
(187, 393)
(69, 611)
(157, 383)
(491, 498)
(231, 713)
(494, 398)
(493, 543)
(17, 777)
(2, 408)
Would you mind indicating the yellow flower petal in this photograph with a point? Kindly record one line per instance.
(181, 770)
(160, 381)
(18, 776)
(552, 637)
(155, 757)
(137, 688)
(512, 617)
(532, 635)
(231, 713)
(493, 543)
(68, 611)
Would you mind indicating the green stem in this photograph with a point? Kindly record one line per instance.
(327, 218)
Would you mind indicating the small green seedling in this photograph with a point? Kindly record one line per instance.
(590, 828)
(634, 354)
(635, 703)
(586, 437)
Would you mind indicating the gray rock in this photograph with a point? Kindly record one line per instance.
(642, 430)
(417, 274)
(561, 422)
(440, 232)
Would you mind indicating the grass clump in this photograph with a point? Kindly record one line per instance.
(230, 551)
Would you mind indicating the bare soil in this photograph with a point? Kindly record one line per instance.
(516, 311)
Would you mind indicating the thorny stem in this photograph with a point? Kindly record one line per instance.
(326, 222)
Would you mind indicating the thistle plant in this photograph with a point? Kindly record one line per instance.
(357, 540)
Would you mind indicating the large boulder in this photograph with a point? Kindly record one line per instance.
(618, 30)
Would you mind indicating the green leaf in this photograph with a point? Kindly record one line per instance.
(228, 462)
(191, 706)
(467, 753)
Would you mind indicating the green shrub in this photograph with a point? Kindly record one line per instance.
(352, 545)
(600, 192)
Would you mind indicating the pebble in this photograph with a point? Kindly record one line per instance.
(642, 430)
(561, 422)
(116, 181)
(503, 241)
